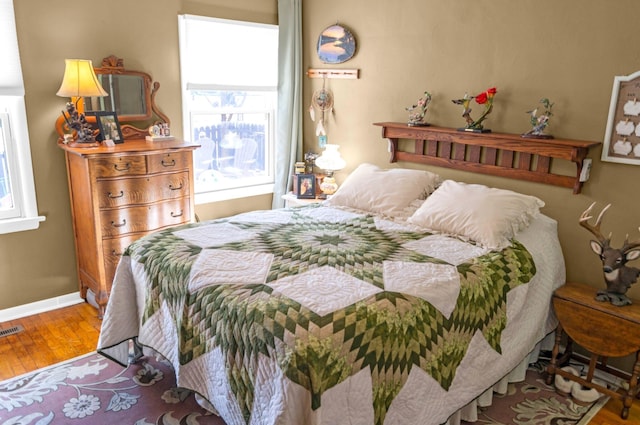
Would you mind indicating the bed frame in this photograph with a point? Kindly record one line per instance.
(498, 154)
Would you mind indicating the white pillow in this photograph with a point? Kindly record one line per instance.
(489, 216)
(370, 188)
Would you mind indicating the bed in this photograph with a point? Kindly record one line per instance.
(389, 303)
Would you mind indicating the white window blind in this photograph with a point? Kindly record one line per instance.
(18, 208)
(10, 72)
(243, 54)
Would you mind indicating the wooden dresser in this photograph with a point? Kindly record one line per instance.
(119, 194)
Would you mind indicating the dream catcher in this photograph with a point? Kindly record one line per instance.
(322, 100)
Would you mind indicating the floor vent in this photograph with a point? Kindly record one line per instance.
(11, 331)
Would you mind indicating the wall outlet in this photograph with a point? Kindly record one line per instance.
(586, 169)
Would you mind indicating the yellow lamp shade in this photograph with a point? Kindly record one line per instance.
(80, 80)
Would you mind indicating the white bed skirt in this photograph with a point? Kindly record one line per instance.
(469, 413)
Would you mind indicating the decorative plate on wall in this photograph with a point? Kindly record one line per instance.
(336, 44)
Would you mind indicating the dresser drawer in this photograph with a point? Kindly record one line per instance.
(142, 190)
(112, 251)
(159, 163)
(144, 218)
(112, 166)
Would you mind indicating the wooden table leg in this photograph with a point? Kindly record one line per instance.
(627, 400)
(551, 367)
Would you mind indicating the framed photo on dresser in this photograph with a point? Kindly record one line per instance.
(109, 126)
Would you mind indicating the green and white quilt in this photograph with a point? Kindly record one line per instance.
(318, 315)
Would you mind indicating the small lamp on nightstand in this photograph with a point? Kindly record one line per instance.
(330, 161)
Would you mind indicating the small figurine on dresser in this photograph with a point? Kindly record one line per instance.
(617, 275)
(539, 123)
(159, 131)
(78, 122)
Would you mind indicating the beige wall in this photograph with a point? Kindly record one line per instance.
(40, 264)
(568, 51)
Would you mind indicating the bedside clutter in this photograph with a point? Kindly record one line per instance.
(604, 330)
(318, 181)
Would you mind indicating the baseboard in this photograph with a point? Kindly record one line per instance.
(40, 306)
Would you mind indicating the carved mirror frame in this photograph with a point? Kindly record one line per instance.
(112, 65)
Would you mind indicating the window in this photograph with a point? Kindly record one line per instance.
(8, 206)
(229, 101)
(18, 210)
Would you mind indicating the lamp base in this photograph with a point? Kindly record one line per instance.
(329, 185)
(68, 140)
(83, 144)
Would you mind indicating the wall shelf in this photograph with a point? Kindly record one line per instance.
(349, 74)
(498, 154)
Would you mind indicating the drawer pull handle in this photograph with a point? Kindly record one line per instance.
(114, 224)
(127, 166)
(168, 163)
(172, 187)
(112, 196)
(117, 254)
(177, 214)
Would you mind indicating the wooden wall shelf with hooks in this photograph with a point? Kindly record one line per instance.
(498, 154)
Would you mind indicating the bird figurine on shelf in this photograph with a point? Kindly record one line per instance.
(419, 110)
(539, 123)
(485, 98)
(466, 113)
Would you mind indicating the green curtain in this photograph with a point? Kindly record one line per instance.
(288, 143)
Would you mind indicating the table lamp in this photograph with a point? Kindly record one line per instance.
(330, 161)
(79, 81)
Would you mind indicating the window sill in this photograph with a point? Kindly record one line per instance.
(20, 224)
(228, 194)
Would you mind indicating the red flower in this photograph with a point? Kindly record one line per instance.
(482, 98)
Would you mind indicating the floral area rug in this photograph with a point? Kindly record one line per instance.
(533, 402)
(94, 390)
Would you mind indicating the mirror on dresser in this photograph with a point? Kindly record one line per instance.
(131, 96)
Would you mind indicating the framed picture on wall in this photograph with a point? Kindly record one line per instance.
(109, 126)
(336, 44)
(306, 186)
(622, 137)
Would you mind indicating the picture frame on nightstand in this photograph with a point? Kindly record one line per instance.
(306, 186)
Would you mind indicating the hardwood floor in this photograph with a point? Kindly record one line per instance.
(48, 338)
(62, 334)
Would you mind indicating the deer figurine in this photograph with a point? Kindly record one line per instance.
(617, 275)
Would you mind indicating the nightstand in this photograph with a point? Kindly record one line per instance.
(602, 329)
(291, 200)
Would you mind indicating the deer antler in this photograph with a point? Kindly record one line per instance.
(595, 230)
(629, 245)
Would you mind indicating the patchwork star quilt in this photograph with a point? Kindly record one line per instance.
(292, 316)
